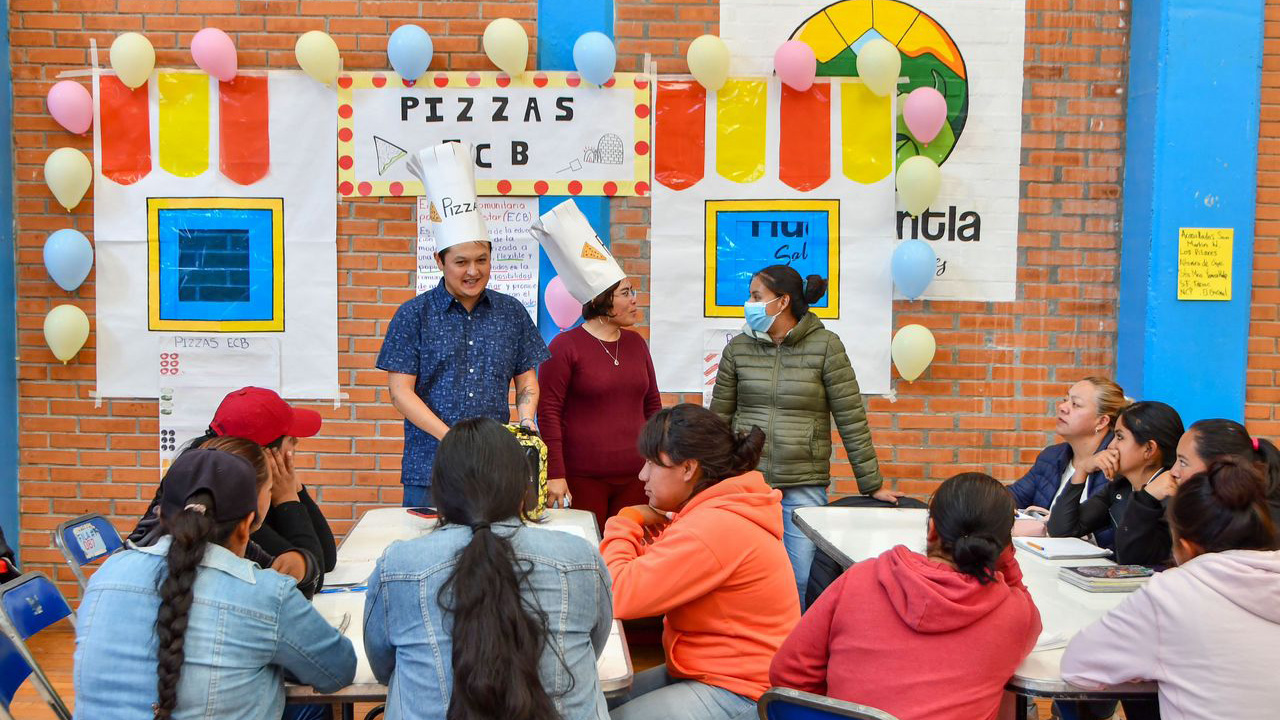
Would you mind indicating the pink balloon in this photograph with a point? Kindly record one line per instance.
(71, 105)
(215, 53)
(796, 64)
(561, 306)
(924, 110)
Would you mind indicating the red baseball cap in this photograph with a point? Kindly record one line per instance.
(260, 415)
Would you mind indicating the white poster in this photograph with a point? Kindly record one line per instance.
(713, 346)
(513, 262)
(214, 217)
(972, 52)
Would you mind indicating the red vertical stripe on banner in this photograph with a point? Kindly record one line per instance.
(125, 127)
(804, 151)
(244, 144)
(679, 150)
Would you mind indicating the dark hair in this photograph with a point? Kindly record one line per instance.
(692, 432)
(202, 441)
(600, 305)
(247, 449)
(1217, 438)
(973, 516)
(445, 252)
(479, 478)
(1150, 420)
(784, 280)
(1224, 508)
(192, 531)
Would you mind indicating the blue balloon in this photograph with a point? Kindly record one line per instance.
(914, 265)
(595, 57)
(409, 51)
(68, 257)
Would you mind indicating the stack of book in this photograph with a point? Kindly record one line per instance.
(1106, 578)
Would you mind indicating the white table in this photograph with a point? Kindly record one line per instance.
(357, 555)
(852, 534)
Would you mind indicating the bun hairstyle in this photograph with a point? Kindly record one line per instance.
(784, 280)
(692, 432)
(1218, 438)
(1111, 398)
(479, 479)
(1224, 508)
(973, 515)
(1150, 420)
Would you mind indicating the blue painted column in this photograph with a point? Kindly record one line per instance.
(559, 25)
(9, 303)
(1195, 71)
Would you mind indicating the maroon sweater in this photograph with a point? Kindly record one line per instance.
(591, 411)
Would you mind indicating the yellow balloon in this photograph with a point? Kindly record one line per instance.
(879, 65)
(507, 45)
(133, 58)
(708, 59)
(318, 56)
(66, 328)
(918, 181)
(913, 348)
(68, 173)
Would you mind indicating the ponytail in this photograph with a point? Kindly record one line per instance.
(972, 514)
(784, 280)
(692, 432)
(1216, 438)
(1224, 508)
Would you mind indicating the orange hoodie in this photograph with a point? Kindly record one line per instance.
(722, 578)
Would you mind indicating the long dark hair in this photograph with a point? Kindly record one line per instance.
(1153, 420)
(1217, 438)
(973, 516)
(498, 637)
(1224, 508)
(784, 280)
(192, 532)
(692, 432)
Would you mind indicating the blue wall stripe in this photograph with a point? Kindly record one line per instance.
(1190, 161)
(8, 300)
(559, 25)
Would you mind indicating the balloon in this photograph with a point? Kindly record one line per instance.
(68, 257)
(595, 57)
(913, 348)
(133, 58)
(318, 56)
(796, 64)
(879, 64)
(561, 306)
(708, 59)
(914, 265)
(918, 181)
(68, 173)
(409, 51)
(71, 105)
(66, 327)
(215, 53)
(507, 45)
(924, 111)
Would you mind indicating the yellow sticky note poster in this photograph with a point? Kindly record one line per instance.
(1204, 263)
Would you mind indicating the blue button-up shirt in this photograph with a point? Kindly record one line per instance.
(463, 361)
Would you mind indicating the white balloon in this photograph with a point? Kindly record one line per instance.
(879, 65)
(918, 180)
(913, 349)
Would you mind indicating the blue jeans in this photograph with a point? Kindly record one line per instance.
(416, 496)
(799, 547)
(306, 712)
(656, 695)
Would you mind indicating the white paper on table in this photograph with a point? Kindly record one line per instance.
(571, 529)
(346, 574)
(1051, 641)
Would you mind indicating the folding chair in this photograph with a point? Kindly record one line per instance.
(788, 704)
(28, 605)
(86, 539)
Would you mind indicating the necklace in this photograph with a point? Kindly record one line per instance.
(612, 355)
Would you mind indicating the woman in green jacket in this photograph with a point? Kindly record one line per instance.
(789, 375)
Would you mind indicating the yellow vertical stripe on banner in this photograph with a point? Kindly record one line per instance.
(184, 122)
(740, 118)
(865, 133)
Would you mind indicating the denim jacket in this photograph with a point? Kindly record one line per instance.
(407, 634)
(247, 627)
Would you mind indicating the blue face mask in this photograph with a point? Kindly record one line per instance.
(757, 317)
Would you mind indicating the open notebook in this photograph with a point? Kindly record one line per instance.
(1067, 548)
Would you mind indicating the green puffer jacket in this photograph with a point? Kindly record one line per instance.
(791, 391)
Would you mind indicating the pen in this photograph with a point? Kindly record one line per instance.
(1037, 547)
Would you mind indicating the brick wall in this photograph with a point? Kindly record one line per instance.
(1262, 393)
(984, 404)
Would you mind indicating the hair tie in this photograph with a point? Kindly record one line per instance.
(197, 507)
(1254, 440)
(480, 526)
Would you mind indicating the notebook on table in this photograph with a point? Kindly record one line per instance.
(1067, 548)
(1106, 578)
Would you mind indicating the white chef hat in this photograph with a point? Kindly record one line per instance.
(583, 262)
(448, 175)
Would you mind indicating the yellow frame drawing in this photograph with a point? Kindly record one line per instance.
(714, 207)
(275, 205)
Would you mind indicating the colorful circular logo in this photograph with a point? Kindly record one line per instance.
(929, 59)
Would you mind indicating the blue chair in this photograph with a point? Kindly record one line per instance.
(28, 605)
(86, 539)
(788, 704)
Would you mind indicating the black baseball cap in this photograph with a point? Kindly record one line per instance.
(230, 479)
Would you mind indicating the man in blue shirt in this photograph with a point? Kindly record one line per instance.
(452, 352)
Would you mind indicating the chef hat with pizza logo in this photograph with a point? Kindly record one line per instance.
(448, 175)
(583, 262)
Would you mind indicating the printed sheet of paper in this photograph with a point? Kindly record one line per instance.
(713, 346)
(514, 261)
(1204, 263)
